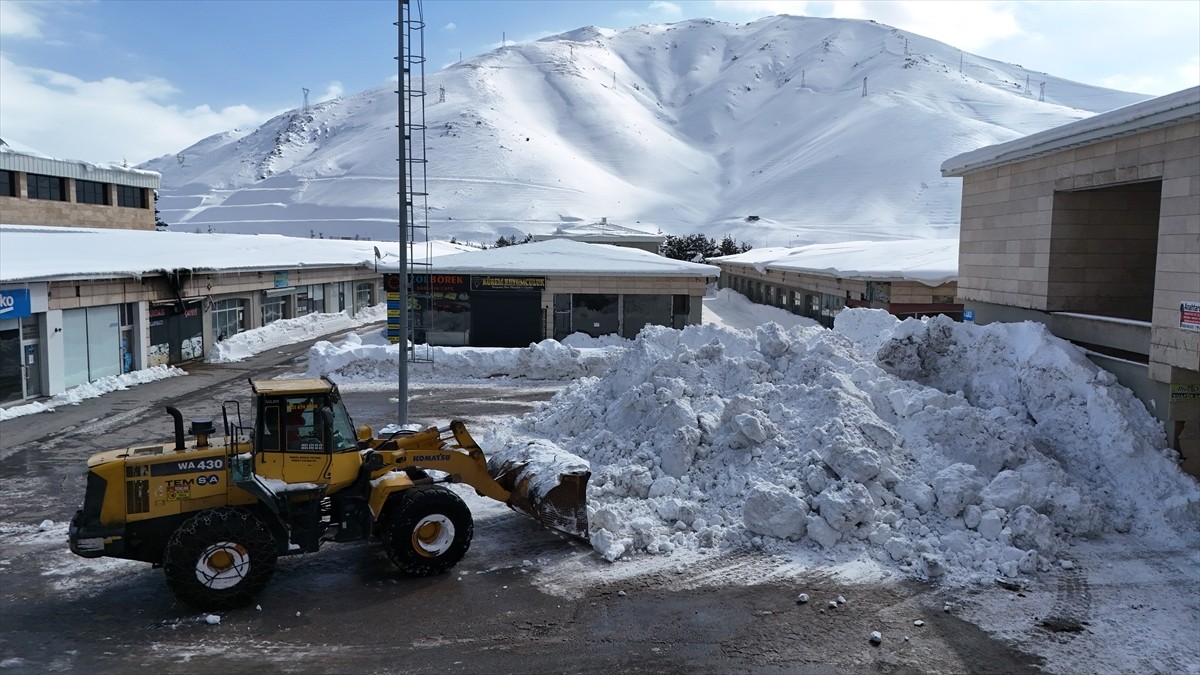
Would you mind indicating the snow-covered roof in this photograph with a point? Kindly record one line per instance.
(932, 262)
(17, 157)
(560, 257)
(1182, 106)
(601, 231)
(31, 253)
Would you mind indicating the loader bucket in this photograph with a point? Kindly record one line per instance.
(558, 500)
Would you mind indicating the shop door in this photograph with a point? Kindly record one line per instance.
(506, 319)
(10, 365)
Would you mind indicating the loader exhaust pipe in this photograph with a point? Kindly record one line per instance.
(174, 412)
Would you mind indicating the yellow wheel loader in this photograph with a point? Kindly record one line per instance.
(216, 516)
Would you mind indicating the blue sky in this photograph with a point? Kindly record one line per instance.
(114, 80)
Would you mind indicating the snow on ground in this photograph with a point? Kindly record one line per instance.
(100, 387)
(921, 448)
(941, 449)
(289, 331)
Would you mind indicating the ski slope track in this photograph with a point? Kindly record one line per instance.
(828, 130)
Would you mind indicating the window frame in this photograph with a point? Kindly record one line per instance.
(46, 188)
(125, 195)
(84, 190)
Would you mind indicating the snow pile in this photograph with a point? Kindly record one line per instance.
(289, 331)
(100, 387)
(948, 449)
(372, 358)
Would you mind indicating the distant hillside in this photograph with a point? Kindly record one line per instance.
(826, 129)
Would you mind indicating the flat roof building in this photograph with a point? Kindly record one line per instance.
(40, 190)
(1093, 228)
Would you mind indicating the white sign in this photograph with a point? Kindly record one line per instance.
(1189, 315)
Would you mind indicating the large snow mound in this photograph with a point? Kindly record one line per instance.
(950, 450)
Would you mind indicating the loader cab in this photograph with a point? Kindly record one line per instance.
(303, 433)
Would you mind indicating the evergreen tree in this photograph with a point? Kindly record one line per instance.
(159, 223)
(728, 247)
(694, 247)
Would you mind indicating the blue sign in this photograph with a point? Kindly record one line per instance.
(15, 304)
(968, 316)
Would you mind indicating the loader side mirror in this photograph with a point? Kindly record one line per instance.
(364, 433)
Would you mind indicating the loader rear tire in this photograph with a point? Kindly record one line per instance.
(219, 559)
(428, 532)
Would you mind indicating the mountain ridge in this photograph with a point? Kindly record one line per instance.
(825, 129)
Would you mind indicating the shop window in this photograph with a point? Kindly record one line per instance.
(46, 187)
(363, 296)
(91, 192)
(681, 309)
(91, 341)
(879, 291)
(641, 310)
(310, 300)
(595, 314)
(272, 310)
(228, 318)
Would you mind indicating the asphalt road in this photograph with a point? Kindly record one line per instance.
(346, 610)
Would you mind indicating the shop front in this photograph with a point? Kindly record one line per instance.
(20, 347)
(176, 332)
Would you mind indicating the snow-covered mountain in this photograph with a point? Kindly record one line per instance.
(825, 129)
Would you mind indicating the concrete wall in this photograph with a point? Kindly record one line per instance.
(1013, 215)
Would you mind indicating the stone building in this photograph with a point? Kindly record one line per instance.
(907, 278)
(80, 304)
(37, 190)
(517, 295)
(1093, 228)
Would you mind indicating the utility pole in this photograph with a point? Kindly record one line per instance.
(802, 79)
(864, 87)
(305, 90)
(1042, 92)
(1026, 84)
(960, 60)
(906, 46)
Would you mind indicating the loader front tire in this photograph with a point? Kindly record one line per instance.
(428, 532)
(219, 559)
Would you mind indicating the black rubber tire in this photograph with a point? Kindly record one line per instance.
(428, 532)
(232, 540)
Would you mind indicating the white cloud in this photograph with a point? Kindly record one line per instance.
(450, 26)
(332, 91)
(668, 9)
(107, 120)
(17, 21)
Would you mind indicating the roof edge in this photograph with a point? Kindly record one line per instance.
(1181, 106)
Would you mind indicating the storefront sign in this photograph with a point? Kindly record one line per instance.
(1185, 392)
(281, 279)
(481, 282)
(1189, 315)
(15, 304)
(425, 284)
